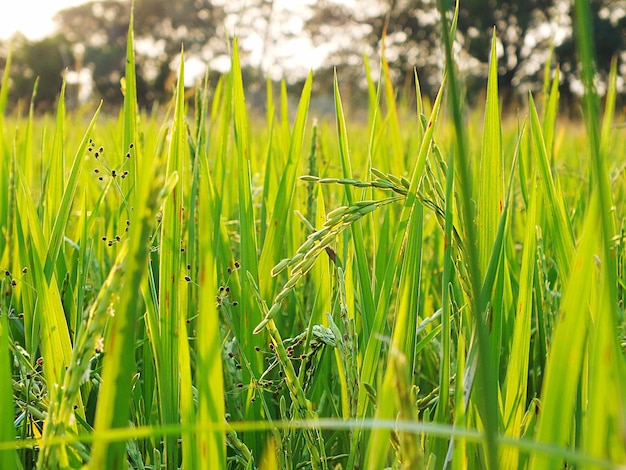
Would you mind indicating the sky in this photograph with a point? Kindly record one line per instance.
(32, 17)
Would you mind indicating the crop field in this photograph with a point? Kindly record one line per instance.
(202, 288)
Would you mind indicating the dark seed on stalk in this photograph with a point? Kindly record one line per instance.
(187, 278)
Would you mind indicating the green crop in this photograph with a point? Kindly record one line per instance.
(205, 288)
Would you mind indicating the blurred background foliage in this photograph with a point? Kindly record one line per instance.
(281, 39)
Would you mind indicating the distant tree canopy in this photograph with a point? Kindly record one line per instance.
(44, 59)
(528, 32)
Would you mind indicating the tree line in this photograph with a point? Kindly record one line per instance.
(92, 37)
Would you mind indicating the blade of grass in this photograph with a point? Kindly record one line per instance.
(302, 406)
(211, 449)
(606, 378)
(443, 404)
(170, 280)
(249, 313)
(371, 358)
(603, 345)
(113, 400)
(396, 156)
(112, 409)
(550, 113)
(609, 110)
(558, 221)
(65, 204)
(66, 404)
(55, 178)
(490, 204)
(5, 154)
(56, 352)
(487, 398)
(490, 194)
(399, 371)
(8, 457)
(278, 221)
(515, 387)
(364, 277)
(566, 356)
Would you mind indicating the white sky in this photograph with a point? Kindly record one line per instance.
(32, 17)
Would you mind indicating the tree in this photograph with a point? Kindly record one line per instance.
(526, 32)
(161, 28)
(609, 25)
(45, 59)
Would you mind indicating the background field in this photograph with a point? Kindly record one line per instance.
(204, 288)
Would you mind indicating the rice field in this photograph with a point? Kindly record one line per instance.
(437, 288)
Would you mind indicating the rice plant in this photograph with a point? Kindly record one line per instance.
(207, 289)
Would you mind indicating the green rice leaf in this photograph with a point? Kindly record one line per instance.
(65, 204)
(490, 193)
(279, 218)
(8, 456)
(566, 356)
(364, 276)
